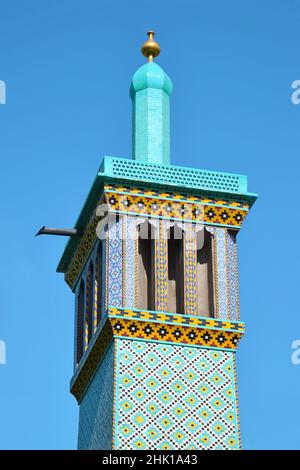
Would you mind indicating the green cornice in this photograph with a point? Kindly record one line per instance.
(154, 176)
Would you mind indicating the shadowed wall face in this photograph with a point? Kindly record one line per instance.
(146, 292)
(175, 271)
(205, 278)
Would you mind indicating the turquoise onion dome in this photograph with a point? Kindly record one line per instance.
(150, 75)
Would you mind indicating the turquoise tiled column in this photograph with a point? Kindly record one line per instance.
(150, 93)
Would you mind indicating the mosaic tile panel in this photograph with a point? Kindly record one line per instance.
(174, 397)
(232, 278)
(221, 274)
(237, 278)
(129, 261)
(96, 408)
(229, 217)
(175, 318)
(115, 273)
(175, 196)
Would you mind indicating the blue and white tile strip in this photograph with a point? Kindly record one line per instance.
(222, 274)
(115, 281)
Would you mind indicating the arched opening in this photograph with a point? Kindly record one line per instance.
(146, 292)
(175, 270)
(205, 277)
(98, 281)
(89, 299)
(80, 321)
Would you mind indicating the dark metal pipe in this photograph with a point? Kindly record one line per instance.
(65, 232)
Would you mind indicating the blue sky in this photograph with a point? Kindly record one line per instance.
(67, 66)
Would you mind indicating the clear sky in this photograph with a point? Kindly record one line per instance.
(67, 65)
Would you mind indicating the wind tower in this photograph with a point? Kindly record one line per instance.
(153, 267)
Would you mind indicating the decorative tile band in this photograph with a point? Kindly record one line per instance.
(221, 274)
(193, 212)
(237, 279)
(115, 268)
(175, 333)
(89, 310)
(175, 196)
(129, 261)
(175, 318)
(237, 403)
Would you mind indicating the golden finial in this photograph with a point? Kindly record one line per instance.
(150, 48)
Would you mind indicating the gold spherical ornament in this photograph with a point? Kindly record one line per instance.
(150, 48)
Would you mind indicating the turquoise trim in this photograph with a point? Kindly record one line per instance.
(147, 320)
(174, 175)
(160, 312)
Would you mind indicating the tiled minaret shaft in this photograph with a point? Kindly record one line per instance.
(157, 321)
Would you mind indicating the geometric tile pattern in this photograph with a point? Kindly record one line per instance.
(236, 277)
(175, 196)
(232, 277)
(129, 260)
(221, 274)
(193, 212)
(161, 332)
(96, 408)
(115, 273)
(174, 397)
(175, 318)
